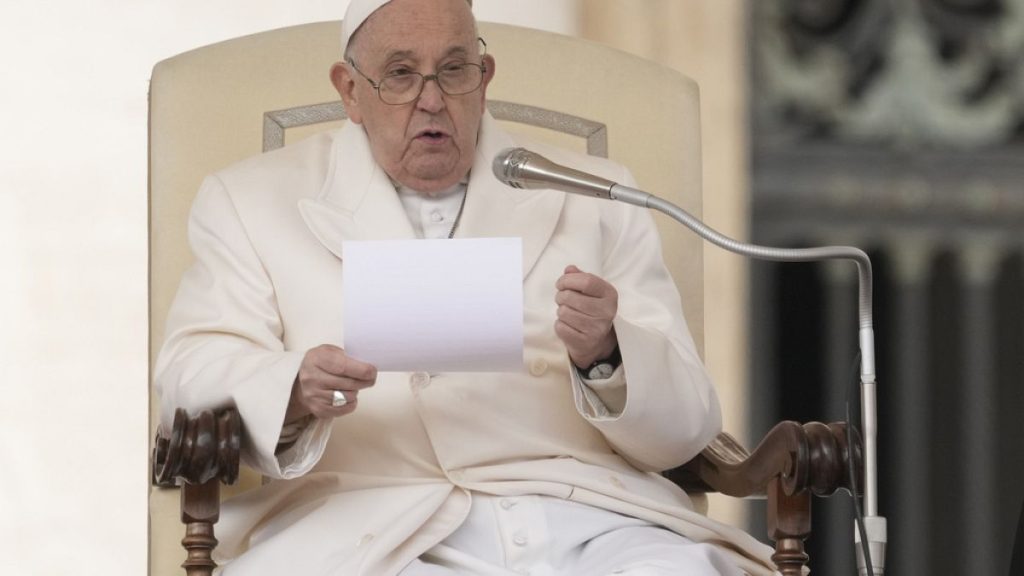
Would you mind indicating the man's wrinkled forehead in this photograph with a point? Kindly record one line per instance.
(357, 13)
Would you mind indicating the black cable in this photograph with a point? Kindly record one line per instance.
(858, 514)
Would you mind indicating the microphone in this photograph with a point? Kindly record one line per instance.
(521, 168)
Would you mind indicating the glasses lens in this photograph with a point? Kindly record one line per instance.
(401, 88)
(460, 78)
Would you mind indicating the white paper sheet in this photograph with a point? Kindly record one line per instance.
(435, 305)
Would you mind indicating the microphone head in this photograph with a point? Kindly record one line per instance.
(508, 164)
(521, 168)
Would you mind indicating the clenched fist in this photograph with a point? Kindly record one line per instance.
(587, 304)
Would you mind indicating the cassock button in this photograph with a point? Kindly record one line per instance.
(366, 539)
(436, 216)
(520, 539)
(507, 503)
(538, 367)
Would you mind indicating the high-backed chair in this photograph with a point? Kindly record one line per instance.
(221, 103)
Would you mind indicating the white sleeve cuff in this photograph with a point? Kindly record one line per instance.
(308, 442)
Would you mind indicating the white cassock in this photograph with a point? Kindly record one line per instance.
(372, 492)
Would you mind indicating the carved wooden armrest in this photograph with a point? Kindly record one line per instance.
(199, 453)
(790, 464)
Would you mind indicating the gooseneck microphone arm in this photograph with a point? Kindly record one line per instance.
(521, 168)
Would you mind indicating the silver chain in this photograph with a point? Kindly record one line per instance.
(458, 217)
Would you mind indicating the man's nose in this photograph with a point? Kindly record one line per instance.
(431, 98)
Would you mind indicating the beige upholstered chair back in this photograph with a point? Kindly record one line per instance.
(221, 103)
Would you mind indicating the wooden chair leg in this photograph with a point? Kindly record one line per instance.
(200, 510)
(789, 524)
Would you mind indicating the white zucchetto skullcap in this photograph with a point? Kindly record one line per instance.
(357, 13)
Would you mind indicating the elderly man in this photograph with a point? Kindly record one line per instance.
(549, 470)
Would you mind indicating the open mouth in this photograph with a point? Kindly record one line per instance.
(433, 136)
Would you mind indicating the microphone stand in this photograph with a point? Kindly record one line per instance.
(521, 168)
(873, 529)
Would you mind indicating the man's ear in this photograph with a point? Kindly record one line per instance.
(488, 61)
(345, 84)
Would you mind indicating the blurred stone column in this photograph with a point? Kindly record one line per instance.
(909, 517)
(704, 39)
(981, 265)
(840, 386)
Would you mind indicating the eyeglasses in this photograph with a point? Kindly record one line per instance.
(403, 86)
